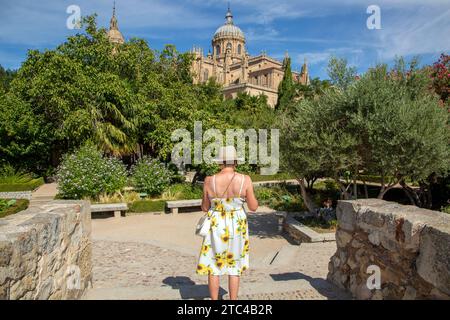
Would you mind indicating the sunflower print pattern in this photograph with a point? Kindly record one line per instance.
(225, 250)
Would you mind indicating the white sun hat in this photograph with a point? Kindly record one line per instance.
(227, 154)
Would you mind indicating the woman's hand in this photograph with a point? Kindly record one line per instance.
(252, 202)
(206, 203)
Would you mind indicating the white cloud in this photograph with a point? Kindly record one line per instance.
(428, 32)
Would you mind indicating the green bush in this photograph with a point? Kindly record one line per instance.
(87, 174)
(12, 206)
(279, 198)
(143, 206)
(8, 174)
(446, 209)
(150, 176)
(15, 180)
(183, 191)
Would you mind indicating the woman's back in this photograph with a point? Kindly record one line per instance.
(229, 184)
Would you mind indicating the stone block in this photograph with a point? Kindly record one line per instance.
(374, 238)
(346, 213)
(343, 238)
(433, 262)
(410, 245)
(39, 244)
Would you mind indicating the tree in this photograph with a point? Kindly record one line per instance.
(402, 127)
(6, 76)
(286, 88)
(387, 123)
(126, 99)
(341, 75)
(440, 73)
(312, 90)
(315, 144)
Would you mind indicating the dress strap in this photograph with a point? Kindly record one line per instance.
(214, 185)
(242, 184)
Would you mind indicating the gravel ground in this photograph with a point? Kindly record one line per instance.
(133, 264)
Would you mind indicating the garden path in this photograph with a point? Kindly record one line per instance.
(45, 193)
(155, 256)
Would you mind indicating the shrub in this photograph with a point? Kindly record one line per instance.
(10, 175)
(446, 209)
(127, 197)
(150, 176)
(279, 198)
(183, 191)
(87, 174)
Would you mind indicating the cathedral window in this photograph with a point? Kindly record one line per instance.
(205, 75)
(217, 50)
(239, 49)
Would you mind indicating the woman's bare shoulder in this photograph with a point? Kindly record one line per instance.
(247, 179)
(208, 179)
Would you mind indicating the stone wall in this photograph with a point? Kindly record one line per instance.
(16, 195)
(46, 252)
(411, 247)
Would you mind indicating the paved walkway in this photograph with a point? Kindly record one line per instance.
(43, 194)
(155, 256)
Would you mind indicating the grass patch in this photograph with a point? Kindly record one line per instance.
(11, 206)
(21, 186)
(143, 206)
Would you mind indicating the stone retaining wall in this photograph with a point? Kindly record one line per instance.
(16, 195)
(46, 252)
(409, 245)
(301, 233)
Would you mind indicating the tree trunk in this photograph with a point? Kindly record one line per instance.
(309, 204)
(366, 191)
(411, 194)
(345, 195)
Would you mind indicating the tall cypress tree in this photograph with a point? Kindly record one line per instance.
(286, 89)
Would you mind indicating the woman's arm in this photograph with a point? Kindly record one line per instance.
(206, 204)
(252, 202)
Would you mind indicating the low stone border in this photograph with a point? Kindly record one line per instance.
(16, 195)
(131, 214)
(301, 233)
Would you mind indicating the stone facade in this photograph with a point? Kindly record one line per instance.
(231, 65)
(411, 247)
(46, 252)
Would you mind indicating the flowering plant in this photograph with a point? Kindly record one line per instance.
(86, 173)
(150, 176)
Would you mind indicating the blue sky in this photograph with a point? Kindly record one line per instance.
(315, 29)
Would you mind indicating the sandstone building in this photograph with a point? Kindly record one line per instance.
(232, 66)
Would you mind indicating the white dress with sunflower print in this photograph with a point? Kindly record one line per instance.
(225, 249)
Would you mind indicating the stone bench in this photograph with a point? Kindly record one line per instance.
(175, 205)
(117, 208)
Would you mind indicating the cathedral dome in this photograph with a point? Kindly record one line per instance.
(114, 35)
(229, 29)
